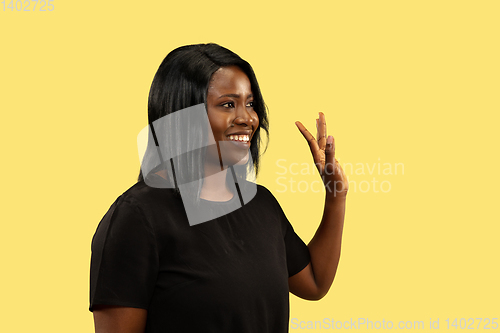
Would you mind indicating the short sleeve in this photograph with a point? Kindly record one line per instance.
(124, 261)
(297, 252)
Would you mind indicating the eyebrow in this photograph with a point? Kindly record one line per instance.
(234, 95)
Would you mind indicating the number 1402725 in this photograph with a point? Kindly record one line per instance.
(472, 323)
(28, 5)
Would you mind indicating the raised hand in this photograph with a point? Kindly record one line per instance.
(323, 152)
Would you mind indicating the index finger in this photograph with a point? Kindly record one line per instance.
(313, 144)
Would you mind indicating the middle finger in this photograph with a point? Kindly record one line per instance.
(322, 131)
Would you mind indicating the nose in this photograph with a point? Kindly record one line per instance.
(243, 117)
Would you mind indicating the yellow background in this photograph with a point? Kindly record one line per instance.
(411, 82)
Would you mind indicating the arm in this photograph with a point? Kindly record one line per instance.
(314, 281)
(119, 319)
(123, 270)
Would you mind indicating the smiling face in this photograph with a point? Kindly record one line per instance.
(231, 115)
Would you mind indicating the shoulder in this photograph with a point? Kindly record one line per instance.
(263, 190)
(126, 209)
(134, 206)
(144, 196)
(266, 193)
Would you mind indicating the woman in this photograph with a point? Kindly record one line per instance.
(157, 268)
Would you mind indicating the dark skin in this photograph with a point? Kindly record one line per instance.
(314, 281)
(119, 319)
(229, 102)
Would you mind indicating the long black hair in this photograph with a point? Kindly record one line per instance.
(182, 81)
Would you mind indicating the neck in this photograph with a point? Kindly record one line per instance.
(214, 184)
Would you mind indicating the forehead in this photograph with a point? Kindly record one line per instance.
(229, 78)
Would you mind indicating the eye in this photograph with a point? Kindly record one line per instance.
(227, 105)
(250, 104)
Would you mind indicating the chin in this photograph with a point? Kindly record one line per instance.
(232, 155)
(243, 161)
(237, 159)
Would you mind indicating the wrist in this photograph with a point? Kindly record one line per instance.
(335, 188)
(335, 196)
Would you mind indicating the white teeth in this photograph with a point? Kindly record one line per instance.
(243, 138)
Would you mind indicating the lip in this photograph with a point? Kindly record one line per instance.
(247, 132)
(242, 145)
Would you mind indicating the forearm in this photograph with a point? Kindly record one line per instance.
(326, 243)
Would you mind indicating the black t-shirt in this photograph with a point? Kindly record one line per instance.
(229, 274)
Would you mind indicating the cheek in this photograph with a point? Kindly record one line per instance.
(219, 127)
(256, 120)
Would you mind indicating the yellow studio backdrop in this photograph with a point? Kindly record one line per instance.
(410, 90)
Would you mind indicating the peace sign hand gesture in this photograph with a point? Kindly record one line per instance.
(323, 152)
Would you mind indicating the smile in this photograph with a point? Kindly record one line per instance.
(239, 138)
